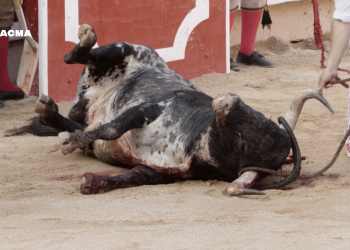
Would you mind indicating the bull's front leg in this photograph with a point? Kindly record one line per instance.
(136, 117)
(138, 176)
(48, 115)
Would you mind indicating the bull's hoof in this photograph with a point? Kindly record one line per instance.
(67, 142)
(93, 184)
(87, 36)
(46, 107)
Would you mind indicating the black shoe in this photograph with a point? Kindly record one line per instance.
(234, 66)
(1, 105)
(9, 95)
(254, 59)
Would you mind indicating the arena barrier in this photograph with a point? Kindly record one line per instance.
(191, 35)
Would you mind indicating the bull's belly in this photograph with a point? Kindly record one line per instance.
(134, 148)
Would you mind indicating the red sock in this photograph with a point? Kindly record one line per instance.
(250, 24)
(232, 18)
(5, 82)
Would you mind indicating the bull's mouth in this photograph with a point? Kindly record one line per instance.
(294, 174)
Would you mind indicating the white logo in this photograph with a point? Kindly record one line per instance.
(12, 33)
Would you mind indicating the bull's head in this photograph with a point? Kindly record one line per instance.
(251, 140)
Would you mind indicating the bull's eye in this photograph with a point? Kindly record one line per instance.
(243, 147)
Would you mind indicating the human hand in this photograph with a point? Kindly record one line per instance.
(325, 78)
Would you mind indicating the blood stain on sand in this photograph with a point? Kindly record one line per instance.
(333, 176)
(306, 183)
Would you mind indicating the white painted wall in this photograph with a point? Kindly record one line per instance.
(43, 46)
(292, 20)
(274, 2)
(174, 53)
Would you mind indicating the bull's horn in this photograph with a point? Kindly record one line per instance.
(297, 104)
(294, 174)
(241, 185)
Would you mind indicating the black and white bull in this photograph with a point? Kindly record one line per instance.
(132, 109)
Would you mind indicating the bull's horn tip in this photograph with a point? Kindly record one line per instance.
(250, 191)
(235, 191)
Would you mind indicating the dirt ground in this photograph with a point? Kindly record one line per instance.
(41, 207)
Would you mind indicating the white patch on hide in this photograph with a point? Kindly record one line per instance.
(100, 101)
(150, 146)
(204, 154)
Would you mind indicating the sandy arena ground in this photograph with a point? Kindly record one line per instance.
(41, 207)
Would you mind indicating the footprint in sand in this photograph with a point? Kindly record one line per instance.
(310, 126)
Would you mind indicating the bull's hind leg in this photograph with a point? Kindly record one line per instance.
(135, 117)
(49, 116)
(138, 176)
(81, 52)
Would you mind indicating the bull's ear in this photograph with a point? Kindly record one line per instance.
(222, 104)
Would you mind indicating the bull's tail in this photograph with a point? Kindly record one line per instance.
(34, 126)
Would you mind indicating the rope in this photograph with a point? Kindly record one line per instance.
(318, 35)
(302, 177)
(318, 32)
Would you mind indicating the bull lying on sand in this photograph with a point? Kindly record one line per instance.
(131, 109)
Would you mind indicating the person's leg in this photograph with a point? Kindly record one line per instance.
(347, 143)
(232, 18)
(250, 24)
(5, 82)
(234, 4)
(7, 12)
(233, 65)
(7, 89)
(251, 16)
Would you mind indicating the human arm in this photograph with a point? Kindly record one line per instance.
(339, 43)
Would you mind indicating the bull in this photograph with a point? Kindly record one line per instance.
(131, 109)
